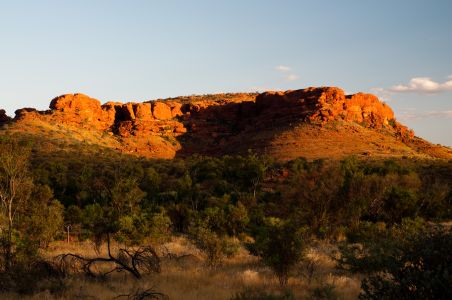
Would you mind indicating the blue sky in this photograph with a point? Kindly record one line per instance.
(138, 50)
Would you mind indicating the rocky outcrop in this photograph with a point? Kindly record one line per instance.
(143, 111)
(212, 123)
(366, 108)
(326, 104)
(27, 114)
(3, 117)
(81, 110)
(176, 109)
(75, 104)
(161, 111)
(110, 113)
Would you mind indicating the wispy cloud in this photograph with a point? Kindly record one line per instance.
(292, 77)
(382, 93)
(287, 72)
(261, 89)
(422, 85)
(282, 68)
(409, 115)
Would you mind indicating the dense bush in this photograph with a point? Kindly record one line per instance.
(250, 294)
(421, 270)
(213, 245)
(411, 260)
(280, 245)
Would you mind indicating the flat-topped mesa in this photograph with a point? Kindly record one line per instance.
(316, 105)
(326, 104)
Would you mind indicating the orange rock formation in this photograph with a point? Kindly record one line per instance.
(215, 124)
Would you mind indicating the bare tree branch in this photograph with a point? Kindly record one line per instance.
(137, 262)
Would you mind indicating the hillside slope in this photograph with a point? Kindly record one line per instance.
(313, 123)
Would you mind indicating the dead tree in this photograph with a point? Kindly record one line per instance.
(141, 294)
(139, 261)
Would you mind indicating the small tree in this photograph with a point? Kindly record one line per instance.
(280, 245)
(41, 219)
(215, 245)
(15, 188)
(120, 219)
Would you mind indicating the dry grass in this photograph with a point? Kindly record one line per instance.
(190, 279)
(344, 140)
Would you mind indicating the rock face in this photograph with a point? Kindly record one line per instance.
(76, 103)
(161, 111)
(82, 110)
(326, 104)
(368, 109)
(216, 124)
(3, 117)
(27, 114)
(143, 111)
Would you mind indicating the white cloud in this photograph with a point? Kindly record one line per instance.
(423, 85)
(444, 114)
(441, 114)
(292, 77)
(382, 94)
(286, 73)
(261, 89)
(282, 68)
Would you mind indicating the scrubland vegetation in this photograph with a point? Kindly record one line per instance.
(85, 224)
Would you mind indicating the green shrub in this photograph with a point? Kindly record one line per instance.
(372, 247)
(423, 270)
(213, 245)
(250, 294)
(280, 245)
(160, 227)
(323, 292)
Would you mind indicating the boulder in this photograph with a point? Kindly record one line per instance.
(125, 128)
(143, 111)
(161, 111)
(81, 110)
(179, 128)
(75, 103)
(176, 109)
(109, 112)
(27, 113)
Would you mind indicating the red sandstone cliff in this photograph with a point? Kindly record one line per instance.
(283, 124)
